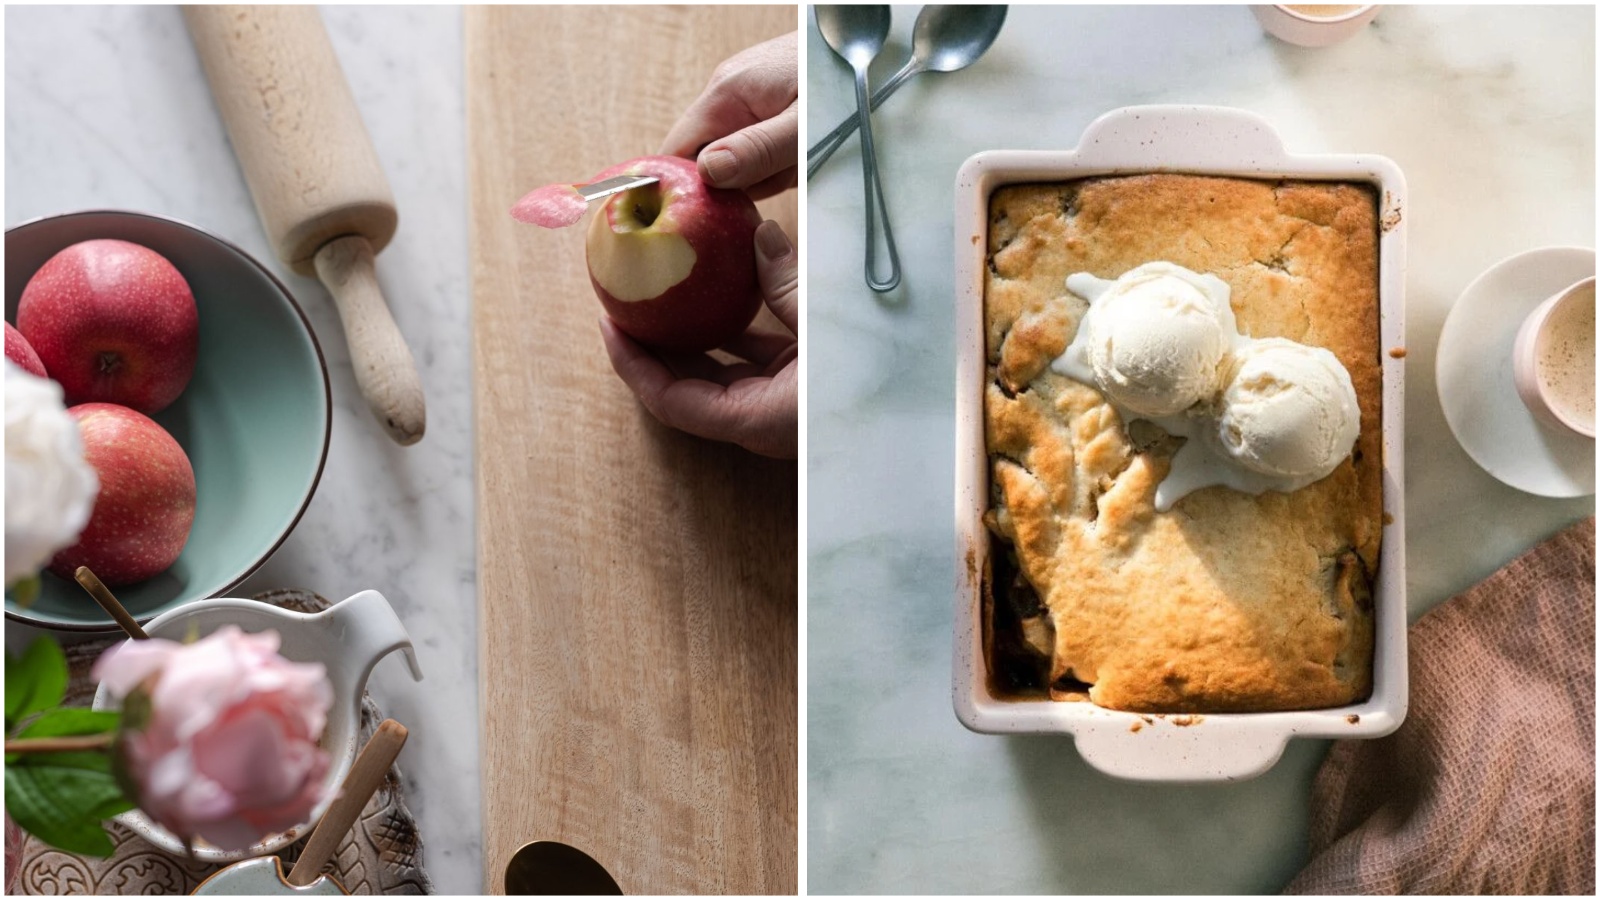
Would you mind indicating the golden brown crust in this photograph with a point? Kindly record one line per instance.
(1227, 602)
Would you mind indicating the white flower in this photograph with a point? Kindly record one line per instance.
(50, 490)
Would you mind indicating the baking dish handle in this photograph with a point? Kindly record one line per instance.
(1179, 749)
(1173, 137)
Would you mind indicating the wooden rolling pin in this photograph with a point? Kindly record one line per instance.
(315, 178)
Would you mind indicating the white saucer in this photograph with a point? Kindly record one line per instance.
(1474, 374)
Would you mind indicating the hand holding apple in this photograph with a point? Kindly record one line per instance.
(112, 322)
(141, 519)
(755, 403)
(673, 263)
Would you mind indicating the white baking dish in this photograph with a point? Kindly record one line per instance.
(1207, 141)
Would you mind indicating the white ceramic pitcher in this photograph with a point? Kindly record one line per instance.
(348, 638)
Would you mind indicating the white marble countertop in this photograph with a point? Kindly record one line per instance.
(1490, 114)
(107, 108)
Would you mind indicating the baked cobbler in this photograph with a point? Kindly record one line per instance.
(1228, 600)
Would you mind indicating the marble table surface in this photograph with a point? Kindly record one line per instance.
(107, 108)
(1490, 114)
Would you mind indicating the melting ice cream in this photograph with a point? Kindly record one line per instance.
(1161, 343)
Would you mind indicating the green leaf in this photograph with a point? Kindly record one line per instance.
(35, 681)
(68, 720)
(112, 808)
(63, 806)
(92, 760)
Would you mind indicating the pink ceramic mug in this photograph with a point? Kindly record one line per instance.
(1552, 359)
(1314, 25)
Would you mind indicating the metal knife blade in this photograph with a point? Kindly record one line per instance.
(614, 186)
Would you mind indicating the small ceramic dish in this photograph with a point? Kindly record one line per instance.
(1530, 348)
(1477, 382)
(348, 637)
(1314, 25)
(254, 420)
(264, 878)
(1204, 141)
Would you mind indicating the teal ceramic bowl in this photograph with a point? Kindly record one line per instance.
(254, 420)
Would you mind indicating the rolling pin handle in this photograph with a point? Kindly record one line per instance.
(385, 371)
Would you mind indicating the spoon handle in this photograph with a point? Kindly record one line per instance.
(363, 780)
(876, 209)
(821, 150)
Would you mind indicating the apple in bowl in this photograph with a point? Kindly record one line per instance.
(19, 351)
(145, 509)
(112, 322)
(673, 263)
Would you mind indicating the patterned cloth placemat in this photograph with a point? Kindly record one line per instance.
(382, 854)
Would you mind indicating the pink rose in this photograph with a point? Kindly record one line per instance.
(229, 749)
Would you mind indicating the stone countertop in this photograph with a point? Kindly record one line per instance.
(106, 107)
(1489, 111)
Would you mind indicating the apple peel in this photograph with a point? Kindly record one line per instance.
(552, 206)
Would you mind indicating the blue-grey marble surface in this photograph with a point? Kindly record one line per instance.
(106, 107)
(1488, 111)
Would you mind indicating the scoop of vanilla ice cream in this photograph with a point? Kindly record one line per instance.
(1288, 410)
(1155, 340)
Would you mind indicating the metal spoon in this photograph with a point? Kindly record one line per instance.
(856, 34)
(945, 39)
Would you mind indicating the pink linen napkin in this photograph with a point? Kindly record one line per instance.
(1488, 787)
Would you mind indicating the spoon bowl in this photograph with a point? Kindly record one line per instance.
(950, 38)
(944, 39)
(855, 33)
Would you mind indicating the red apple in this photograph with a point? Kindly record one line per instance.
(19, 351)
(674, 262)
(141, 519)
(113, 322)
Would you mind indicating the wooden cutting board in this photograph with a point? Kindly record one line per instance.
(637, 587)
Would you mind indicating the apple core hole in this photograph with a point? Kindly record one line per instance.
(108, 362)
(641, 206)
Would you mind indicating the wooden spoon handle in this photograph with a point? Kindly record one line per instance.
(108, 602)
(359, 785)
(384, 368)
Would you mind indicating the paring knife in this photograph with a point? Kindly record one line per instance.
(615, 185)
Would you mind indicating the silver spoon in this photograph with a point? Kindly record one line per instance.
(856, 34)
(945, 39)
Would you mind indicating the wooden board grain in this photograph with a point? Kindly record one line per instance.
(637, 587)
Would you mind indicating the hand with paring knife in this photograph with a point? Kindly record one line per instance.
(945, 39)
(742, 131)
